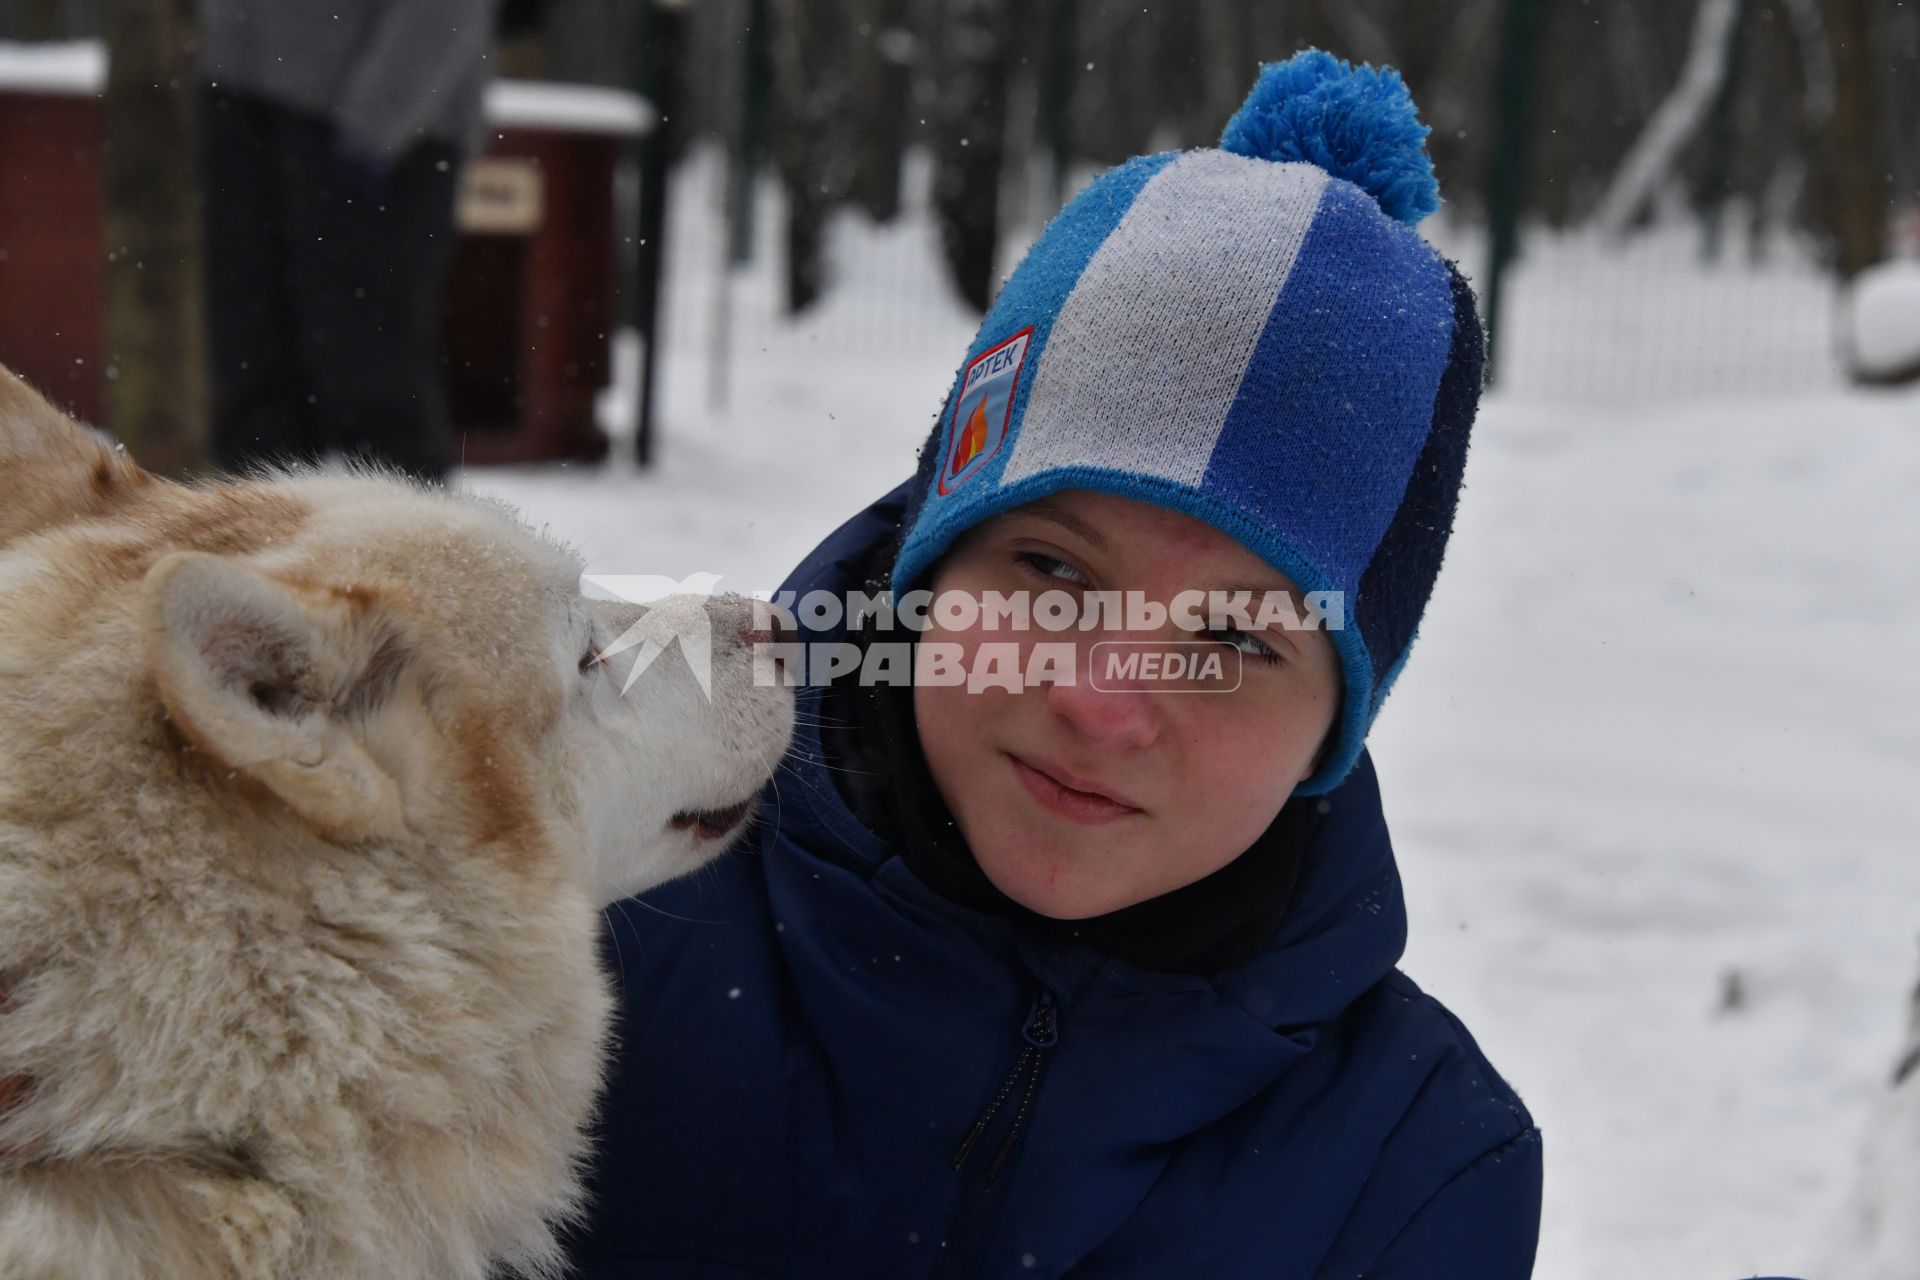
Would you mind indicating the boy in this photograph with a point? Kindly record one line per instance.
(1094, 976)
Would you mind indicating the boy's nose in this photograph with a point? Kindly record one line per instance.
(1117, 713)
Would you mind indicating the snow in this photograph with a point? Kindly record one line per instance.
(1885, 320)
(69, 68)
(1651, 769)
(78, 68)
(1591, 321)
(1657, 740)
(567, 108)
(1881, 1238)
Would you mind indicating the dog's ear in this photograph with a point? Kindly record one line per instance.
(245, 666)
(52, 468)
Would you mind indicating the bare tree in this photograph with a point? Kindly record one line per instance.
(1362, 37)
(1859, 197)
(811, 132)
(1657, 151)
(1816, 59)
(155, 364)
(968, 144)
(884, 60)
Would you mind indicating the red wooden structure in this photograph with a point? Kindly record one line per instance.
(52, 264)
(530, 299)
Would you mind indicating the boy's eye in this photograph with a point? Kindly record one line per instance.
(1051, 566)
(1245, 641)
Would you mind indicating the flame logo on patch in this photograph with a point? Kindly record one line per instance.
(985, 409)
(972, 441)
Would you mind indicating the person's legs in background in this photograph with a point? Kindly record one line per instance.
(258, 389)
(371, 250)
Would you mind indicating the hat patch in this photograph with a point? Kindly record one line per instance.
(982, 410)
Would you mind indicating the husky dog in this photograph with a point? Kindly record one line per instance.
(312, 787)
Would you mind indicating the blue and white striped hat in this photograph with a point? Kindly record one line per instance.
(1255, 336)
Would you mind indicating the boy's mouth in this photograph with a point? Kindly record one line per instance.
(1069, 796)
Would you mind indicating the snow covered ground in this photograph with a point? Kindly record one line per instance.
(1655, 756)
(1651, 772)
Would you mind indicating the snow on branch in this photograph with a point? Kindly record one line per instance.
(1657, 150)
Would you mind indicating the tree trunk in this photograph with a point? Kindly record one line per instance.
(883, 104)
(155, 365)
(1859, 192)
(811, 134)
(969, 140)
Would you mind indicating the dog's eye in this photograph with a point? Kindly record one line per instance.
(589, 660)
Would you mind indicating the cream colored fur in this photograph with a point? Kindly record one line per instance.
(310, 795)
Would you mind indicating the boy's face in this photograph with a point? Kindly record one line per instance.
(1079, 800)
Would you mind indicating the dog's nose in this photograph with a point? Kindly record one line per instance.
(765, 624)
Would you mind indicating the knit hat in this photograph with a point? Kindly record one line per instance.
(1254, 336)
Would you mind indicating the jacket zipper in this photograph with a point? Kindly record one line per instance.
(1039, 1033)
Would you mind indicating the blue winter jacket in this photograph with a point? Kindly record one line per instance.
(809, 1033)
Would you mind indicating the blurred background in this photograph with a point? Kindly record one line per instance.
(1655, 199)
(694, 279)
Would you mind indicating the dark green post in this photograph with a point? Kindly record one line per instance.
(756, 70)
(1507, 178)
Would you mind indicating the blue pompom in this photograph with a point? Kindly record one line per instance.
(1357, 123)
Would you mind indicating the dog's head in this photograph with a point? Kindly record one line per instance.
(387, 664)
(311, 785)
